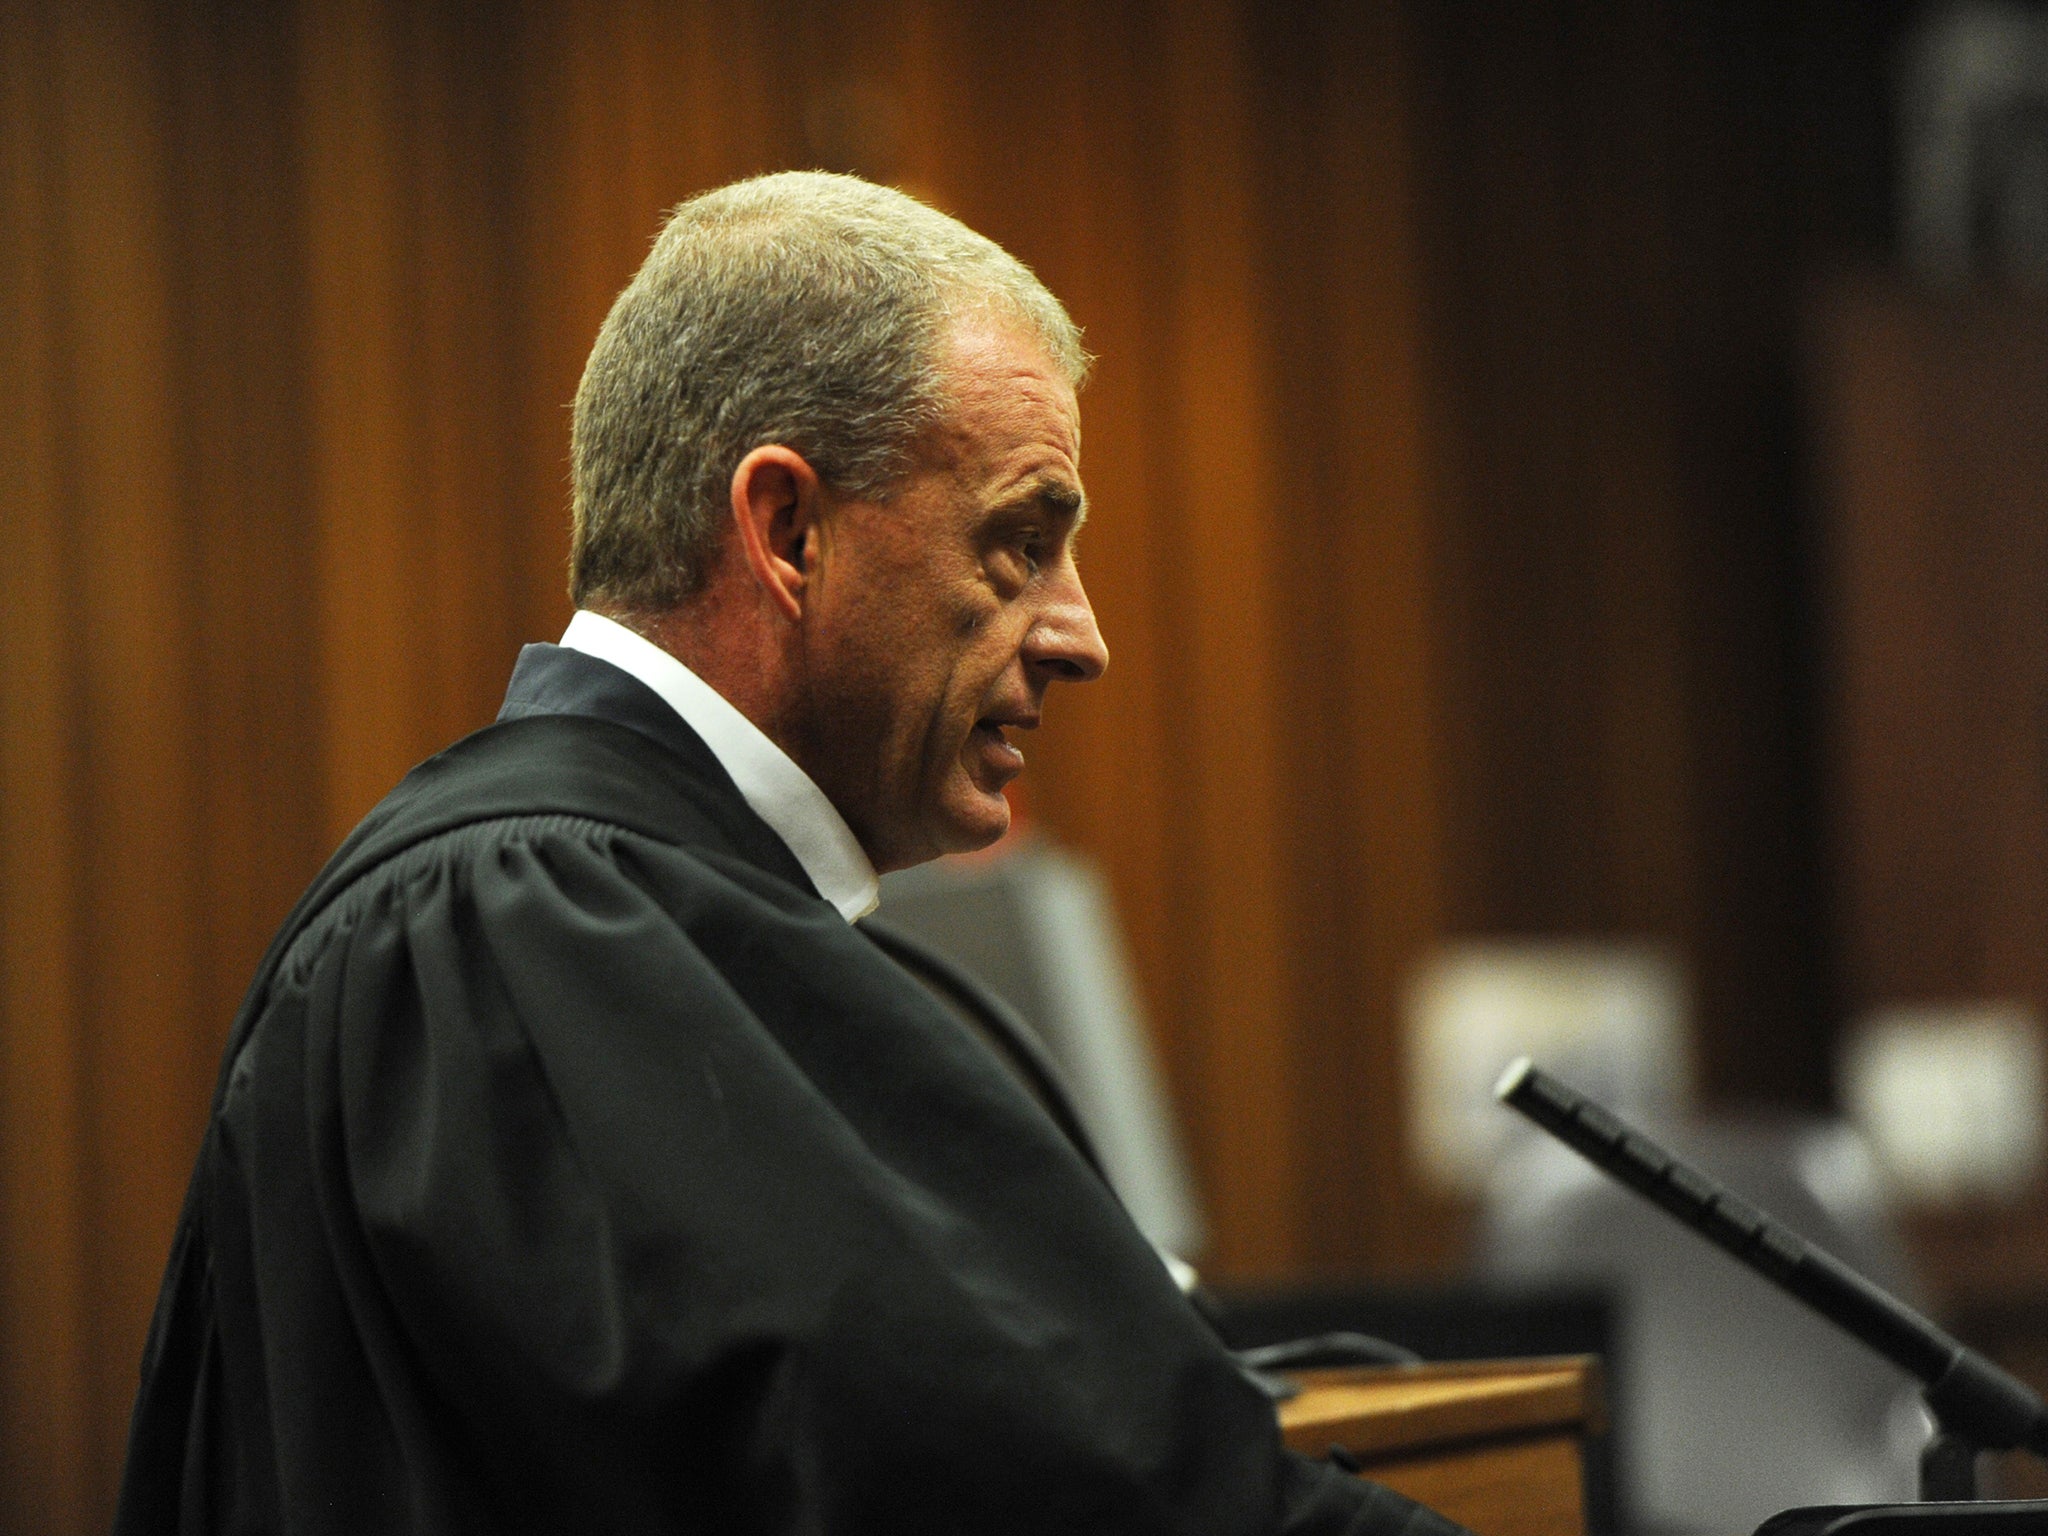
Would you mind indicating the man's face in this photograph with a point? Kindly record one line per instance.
(935, 621)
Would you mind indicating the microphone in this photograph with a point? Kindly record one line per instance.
(1976, 1405)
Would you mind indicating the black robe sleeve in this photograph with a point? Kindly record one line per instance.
(568, 1179)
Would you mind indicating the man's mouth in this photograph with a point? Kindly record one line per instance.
(994, 752)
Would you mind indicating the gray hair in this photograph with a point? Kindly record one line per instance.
(805, 309)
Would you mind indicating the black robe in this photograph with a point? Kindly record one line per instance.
(576, 1168)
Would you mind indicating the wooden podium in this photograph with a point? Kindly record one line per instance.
(1495, 1445)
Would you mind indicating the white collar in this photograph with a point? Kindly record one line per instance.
(781, 793)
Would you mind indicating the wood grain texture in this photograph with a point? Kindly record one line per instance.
(238, 294)
(1356, 558)
(1229, 497)
(1388, 1410)
(48, 1447)
(1619, 207)
(1495, 1445)
(1937, 557)
(130, 616)
(1523, 1487)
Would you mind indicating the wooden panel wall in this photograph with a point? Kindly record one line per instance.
(299, 296)
(1936, 600)
(1622, 206)
(1357, 452)
(1938, 610)
(159, 708)
(1442, 536)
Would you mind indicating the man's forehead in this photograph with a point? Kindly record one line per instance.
(1013, 422)
(988, 353)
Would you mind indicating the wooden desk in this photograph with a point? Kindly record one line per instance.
(1495, 1445)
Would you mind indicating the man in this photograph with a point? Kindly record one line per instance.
(576, 1164)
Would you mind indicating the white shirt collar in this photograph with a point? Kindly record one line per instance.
(781, 793)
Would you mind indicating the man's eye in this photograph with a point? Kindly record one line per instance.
(1020, 555)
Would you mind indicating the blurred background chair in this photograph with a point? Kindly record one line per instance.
(1731, 1400)
(1034, 923)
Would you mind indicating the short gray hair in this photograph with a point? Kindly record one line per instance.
(805, 309)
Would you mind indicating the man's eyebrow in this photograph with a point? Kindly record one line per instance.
(1055, 492)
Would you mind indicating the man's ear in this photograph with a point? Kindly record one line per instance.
(777, 503)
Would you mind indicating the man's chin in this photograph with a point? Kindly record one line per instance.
(957, 828)
(979, 823)
(992, 830)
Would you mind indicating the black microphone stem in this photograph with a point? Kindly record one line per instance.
(1976, 1405)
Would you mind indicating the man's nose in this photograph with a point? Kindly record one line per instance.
(1064, 643)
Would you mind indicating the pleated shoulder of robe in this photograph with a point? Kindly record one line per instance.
(575, 1168)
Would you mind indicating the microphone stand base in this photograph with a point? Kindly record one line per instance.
(1948, 1469)
(1992, 1517)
